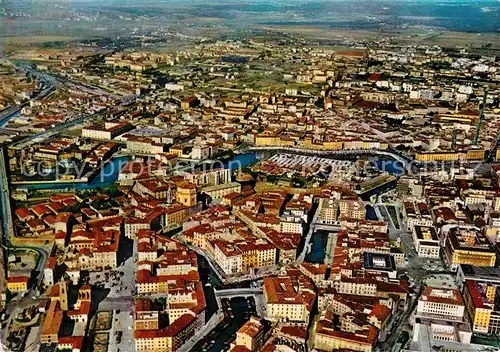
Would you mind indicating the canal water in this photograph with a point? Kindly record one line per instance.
(6, 119)
(241, 161)
(105, 178)
(226, 330)
(370, 213)
(393, 167)
(220, 338)
(110, 172)
(208, 276)
(319, 241)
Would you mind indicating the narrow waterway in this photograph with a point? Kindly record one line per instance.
(370, 213)
(220, 337)
(109, 174)
(319, 241)
(6, 119)
(210, 281)
(105, 178)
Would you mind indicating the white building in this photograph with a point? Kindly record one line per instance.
(106, 130)
(426, 241)
(201, 152)
(209, 177)
(228, 257)
(440, 302)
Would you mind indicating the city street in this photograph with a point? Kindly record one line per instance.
(117, 296)
(308, 170)
(121, 333)
(419, 270)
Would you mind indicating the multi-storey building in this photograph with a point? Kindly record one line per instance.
(481, 291)
(169, 339)
(352, 208)
(143, 145)
(257, 254)
(468, 246)
(48, 271)
(443, 303)
(155, 188)
(337, 204)
(228, 256)
(483, 306)
(93, 250)
(416, 213)
(106, 130)
(176, 214)
(219, 191)
(166, 267)
(426, 241)
(209, 178)
(251, 335)
(153, 220)
(289, 298)
(357, 337)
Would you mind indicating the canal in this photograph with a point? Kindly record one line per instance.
(210, 280)
(370, 213)
(105, 178)
(319, 241)
(109, 174)
(220, 337)
(240, 161)
(6, 118)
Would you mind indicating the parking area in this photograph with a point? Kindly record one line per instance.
(121, 334)
(119, 281)
(441, 281)
(114, 293)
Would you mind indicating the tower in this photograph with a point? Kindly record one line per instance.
(481, 118)
(454, 140)
(84, 295)
(63, 295)
(496, 148)
(186, 194)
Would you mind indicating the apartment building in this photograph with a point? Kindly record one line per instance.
(106, 130)
(289, 298)
(481, 292)
(228, 256)
(93, 250)
(209, 178)
(442, 303)
(426, 241)
(251, 335)
(219, 191)
(360, 337)
(468, 246)
(416, 214)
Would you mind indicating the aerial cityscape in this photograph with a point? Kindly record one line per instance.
(252, 175)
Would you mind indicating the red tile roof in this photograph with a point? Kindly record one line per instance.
(51, 263)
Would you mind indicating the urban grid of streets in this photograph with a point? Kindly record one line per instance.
(314, 114)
